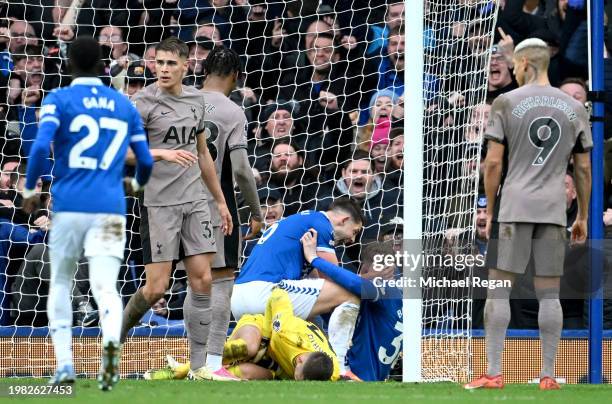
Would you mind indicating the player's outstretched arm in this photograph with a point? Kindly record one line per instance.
(348, 280)
(246, 182)
(209, 175)
(582, 174)
(492, 177)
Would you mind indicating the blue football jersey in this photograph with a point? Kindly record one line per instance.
(377, 340)
(278, 254)
(90, 126)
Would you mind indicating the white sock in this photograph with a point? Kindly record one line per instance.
(214, 362)
(103, 272)
(59, 308)
(341, 327)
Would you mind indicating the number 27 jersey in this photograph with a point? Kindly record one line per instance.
(541, 127)
(95, 126)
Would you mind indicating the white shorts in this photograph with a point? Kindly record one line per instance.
(252, 297)
(99, 234)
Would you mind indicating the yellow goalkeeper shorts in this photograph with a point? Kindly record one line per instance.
(254, 320)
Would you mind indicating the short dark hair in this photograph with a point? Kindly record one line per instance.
(349, 206)
(285, 140)
(318, 366)
(394, 133)
(399, 30)
(222, 61)
(173, 45)
(84, 56)
(574, 80)
(359, 154)
(24, 51)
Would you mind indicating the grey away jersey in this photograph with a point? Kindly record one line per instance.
(225, 128)
(541, 127)
(172, 122)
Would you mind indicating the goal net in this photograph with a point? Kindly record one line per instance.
(322, 87)
(458, 37)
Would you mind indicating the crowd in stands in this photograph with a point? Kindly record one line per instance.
(323, 91)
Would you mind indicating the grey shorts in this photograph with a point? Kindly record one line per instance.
(512, 245)
(172, 232)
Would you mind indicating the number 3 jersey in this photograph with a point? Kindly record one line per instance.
(225, 129)
(93, 126)
(172, 122)
(541, 127)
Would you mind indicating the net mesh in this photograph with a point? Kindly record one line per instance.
(325, 77)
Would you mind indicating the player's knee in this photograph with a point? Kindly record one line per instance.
(153, 291)
(201, 283)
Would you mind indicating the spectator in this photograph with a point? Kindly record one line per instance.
(288, 177)
(501, 79)
(30, 79)
(575, 87)
(395, 160)
(137, 77)
(378, 153)
(378, 35)
(115, 53)
(385, 72)
(208, 29)
(22, 35)
(273, 211)
(272, 205)
(379, 122)
(391, 69)
(14, 239)
(323, 84)
(359, 182)
(278, 123)
(478, 122)
(199, 49)
(149, 58)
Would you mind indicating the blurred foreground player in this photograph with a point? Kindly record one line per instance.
(90, 126)
(536, 129)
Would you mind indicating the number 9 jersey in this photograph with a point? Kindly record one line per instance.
(90, 126)
(540, 127)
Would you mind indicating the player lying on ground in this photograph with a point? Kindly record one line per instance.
(377, 340)
(277, 260)
(277, 345)
(90, 126)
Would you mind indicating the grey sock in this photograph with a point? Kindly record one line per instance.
(198, 316)
(496, 319)
(550, 321)
(221, 296)
(133, 312)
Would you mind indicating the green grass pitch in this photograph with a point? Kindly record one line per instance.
(184, 392)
